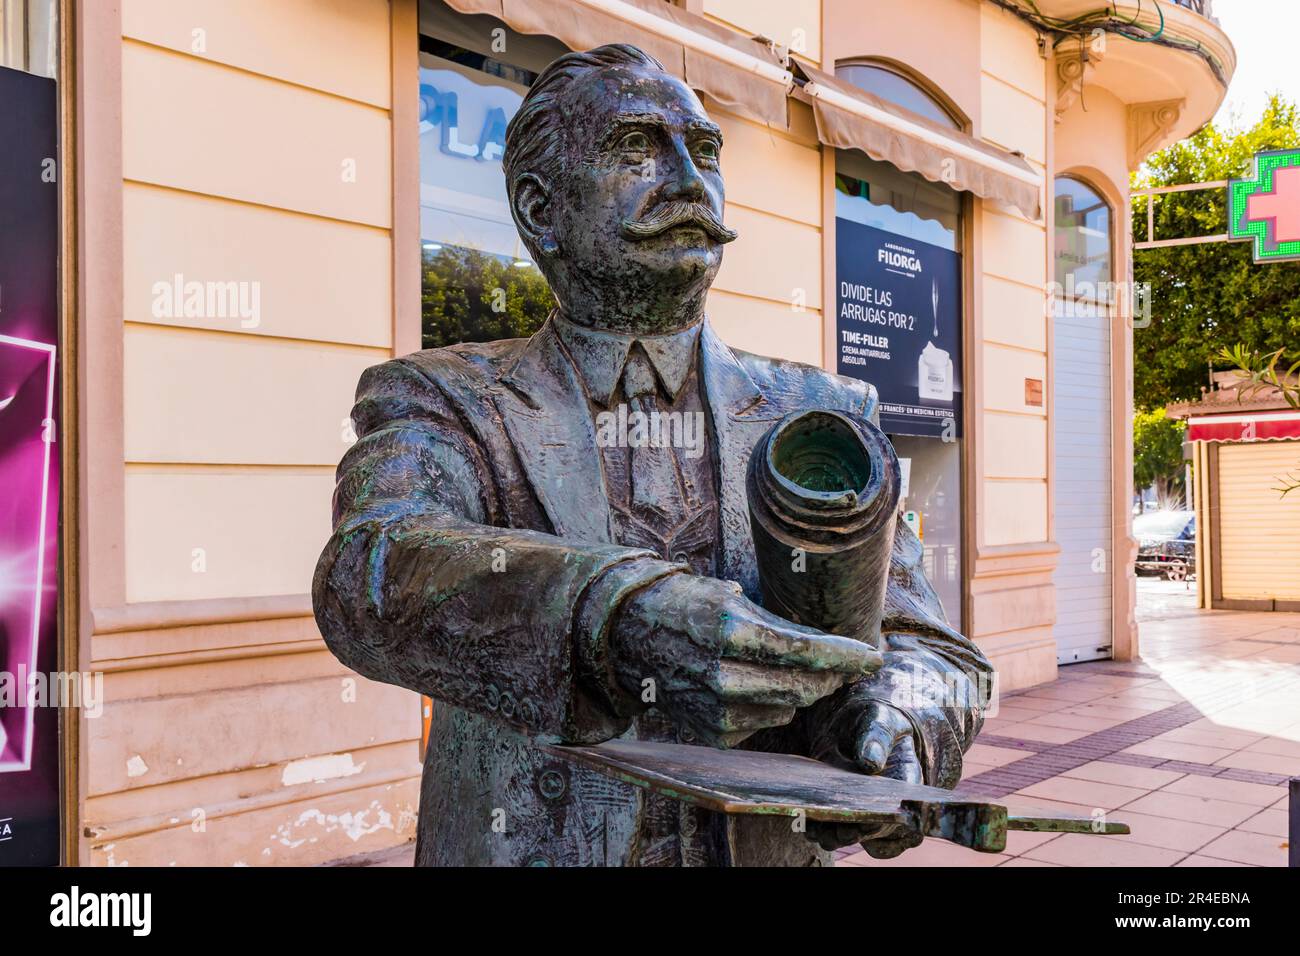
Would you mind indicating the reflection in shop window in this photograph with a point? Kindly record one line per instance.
(29, 36)
(469, 295)
(880, 195)
(1083, 267)
(932, 507)
(478, 281)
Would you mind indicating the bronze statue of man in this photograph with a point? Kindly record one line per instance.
(494, 549)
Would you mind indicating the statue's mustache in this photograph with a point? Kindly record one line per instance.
(676, 213)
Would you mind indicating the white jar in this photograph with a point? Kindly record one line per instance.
(934, 374)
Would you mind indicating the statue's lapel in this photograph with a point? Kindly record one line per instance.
(546, 415)
(741, 416)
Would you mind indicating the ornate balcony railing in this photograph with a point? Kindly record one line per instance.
(1203, 7)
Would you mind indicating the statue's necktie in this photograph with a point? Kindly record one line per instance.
(656, 483)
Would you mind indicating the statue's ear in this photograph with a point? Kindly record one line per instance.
(532, 209)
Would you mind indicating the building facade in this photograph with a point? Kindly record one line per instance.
(260, 200)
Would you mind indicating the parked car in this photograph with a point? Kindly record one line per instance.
(1166, 543)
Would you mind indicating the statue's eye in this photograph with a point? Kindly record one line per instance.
(635, 142)
(707, 150)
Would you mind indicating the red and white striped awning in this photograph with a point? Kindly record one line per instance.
(1245, 427)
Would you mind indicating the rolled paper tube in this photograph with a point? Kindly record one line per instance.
(823, 499)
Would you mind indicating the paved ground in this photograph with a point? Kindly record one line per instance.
(1159, 599)
(1191, 746)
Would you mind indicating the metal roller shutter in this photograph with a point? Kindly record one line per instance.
(1082, 507)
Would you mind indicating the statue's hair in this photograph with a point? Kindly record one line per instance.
(532, 138)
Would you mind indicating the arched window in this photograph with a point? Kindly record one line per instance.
(1083, 241)
(892, 84)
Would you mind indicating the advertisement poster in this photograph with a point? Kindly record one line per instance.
(898, 326)
(29, 470)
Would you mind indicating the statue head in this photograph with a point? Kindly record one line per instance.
(612, 170)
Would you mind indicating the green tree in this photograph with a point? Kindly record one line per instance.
(1158, 454)
(472, 296)
(1208, 297)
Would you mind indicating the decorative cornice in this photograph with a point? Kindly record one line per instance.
(1149, 125)
(1074, 69)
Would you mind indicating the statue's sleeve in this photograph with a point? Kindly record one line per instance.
(933, 674)
(417, 587)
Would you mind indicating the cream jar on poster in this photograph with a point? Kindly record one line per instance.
(934, 374)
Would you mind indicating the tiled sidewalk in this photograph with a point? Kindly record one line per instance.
(1191, 746)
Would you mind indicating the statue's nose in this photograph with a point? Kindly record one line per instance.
(687, 183)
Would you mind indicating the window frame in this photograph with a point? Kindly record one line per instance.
(942, 103)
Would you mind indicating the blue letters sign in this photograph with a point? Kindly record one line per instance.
(441, 108)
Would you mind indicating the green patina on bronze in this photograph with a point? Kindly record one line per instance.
(821, 453)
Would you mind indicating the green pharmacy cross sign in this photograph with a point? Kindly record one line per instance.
(1265, 206)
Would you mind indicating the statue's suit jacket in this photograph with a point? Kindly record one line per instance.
(471, 521)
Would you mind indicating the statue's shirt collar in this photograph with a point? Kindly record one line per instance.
(601, 355)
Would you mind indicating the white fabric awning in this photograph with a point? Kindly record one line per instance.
(739, 72)
(851, 118)
(749, 75)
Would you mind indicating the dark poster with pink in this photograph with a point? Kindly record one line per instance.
(29, 467)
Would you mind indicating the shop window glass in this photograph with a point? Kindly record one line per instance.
(881, 195)
(29, 36)
(478, 282)
(921, 214)
(933, 505)
(1083, 242)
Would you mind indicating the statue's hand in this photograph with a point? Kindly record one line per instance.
(719, 665)
(883, 745)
